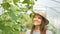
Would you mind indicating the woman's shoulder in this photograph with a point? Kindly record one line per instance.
(28, 31)
(48, 32)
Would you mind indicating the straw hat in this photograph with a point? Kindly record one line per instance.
(41, 13)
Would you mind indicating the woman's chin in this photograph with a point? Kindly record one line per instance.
(36, 24)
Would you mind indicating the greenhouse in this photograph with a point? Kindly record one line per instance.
(15, 15)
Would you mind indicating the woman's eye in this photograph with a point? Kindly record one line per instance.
(39, 18)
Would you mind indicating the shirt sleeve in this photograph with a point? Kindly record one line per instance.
(28, 31)
(48, 32)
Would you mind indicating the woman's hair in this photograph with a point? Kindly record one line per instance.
(42, 27)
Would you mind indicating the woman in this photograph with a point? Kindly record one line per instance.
(39, 24)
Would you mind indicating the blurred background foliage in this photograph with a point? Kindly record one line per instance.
(15, 18)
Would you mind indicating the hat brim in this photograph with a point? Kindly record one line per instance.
(46, 20)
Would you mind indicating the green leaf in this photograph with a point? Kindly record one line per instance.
(30, 7)
(32, 2)
(4, 1)
(7, 30)
(1, 26)
(5, 5)
(11, 13)
(26, 1)
(15, 1)
(16, 32)
(16, 26)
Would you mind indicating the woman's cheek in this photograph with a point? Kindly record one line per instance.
(39, 21)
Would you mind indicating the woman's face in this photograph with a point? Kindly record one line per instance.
(37, 20)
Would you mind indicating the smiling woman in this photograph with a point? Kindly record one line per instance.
(39, 22)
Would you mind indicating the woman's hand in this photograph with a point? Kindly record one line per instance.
(21, 32)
